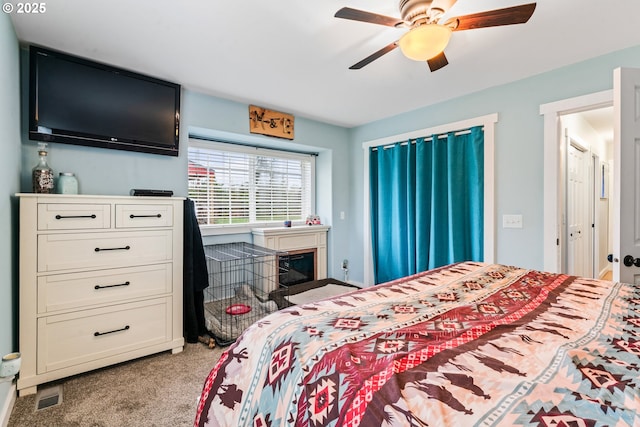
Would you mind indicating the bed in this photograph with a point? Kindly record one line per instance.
(470, 344)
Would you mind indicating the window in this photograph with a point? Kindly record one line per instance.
(240, 185)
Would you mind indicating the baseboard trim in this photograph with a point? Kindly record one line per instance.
(7, 407)
(604, 272)
(358, 284)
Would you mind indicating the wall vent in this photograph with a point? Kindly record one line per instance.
(48, 397)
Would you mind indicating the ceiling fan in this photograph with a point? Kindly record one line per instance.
(428, 34)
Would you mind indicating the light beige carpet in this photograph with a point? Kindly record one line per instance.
(316, 294)
(159, 390)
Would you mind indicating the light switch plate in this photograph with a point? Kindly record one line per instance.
(511, 221)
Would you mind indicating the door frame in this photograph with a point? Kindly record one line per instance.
(594, 215)
(553, 243)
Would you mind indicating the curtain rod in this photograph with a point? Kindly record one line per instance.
(430, 138)
(246, 144)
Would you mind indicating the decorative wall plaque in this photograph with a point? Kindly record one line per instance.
(269, 122)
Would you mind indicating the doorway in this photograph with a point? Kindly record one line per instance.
(578, 167)
(585, 211)
(624, 200)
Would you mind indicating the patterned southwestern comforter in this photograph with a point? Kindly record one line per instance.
(467, 344)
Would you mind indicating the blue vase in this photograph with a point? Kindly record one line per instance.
(67, 183)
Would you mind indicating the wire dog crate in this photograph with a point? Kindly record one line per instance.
(241, 276)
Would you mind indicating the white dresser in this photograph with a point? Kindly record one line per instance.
(100, 282)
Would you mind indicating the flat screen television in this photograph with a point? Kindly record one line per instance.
(76, 101)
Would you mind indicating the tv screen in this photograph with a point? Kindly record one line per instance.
(77, 101)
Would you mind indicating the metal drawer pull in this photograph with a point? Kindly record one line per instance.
(97, 334)
(75, 216)
(146, 216)
(126, 248)
(112, 286)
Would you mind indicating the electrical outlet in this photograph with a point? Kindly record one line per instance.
(345, 264)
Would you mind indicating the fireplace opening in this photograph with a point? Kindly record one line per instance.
(297, 267)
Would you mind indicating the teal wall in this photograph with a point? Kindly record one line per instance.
(10, 179)
(518, 147)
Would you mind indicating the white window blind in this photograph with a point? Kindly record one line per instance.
(240, 185)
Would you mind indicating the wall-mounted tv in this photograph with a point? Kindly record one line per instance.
(77, 101)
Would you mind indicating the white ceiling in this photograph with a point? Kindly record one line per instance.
(601, 120)
(293, 55)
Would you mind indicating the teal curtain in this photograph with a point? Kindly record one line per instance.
(427, 203)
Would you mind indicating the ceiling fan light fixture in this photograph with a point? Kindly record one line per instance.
(425, 41)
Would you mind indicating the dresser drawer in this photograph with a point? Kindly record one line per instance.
(131, 216)
(83, 290)
(70, 339)
(73, 216)
(57, 252)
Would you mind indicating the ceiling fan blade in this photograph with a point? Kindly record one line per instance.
(437, 62)
(369, 59)
(363, 16)
(493, 18)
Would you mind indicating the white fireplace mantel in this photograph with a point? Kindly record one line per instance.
(296, 238)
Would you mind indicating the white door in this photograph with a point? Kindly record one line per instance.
(626, 177)
(577, 211)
